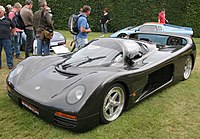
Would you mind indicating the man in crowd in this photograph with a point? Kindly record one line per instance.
(162, 17)
(8, 8)
(5, 37)
(83, 27)
(42, 21)
(27, 17)
(16, 38)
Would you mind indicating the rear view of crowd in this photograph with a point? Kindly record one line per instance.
(19, 19)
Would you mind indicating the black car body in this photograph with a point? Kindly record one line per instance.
(95, 84)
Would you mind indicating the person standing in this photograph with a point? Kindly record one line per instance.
(83, 27)
(16, 38)
(75, 47)
(162, 17)
(8, 8)
(104, 21)
(6, 27)
(42, 20)
(27, 17)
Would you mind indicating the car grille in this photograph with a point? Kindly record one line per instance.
(64, 122)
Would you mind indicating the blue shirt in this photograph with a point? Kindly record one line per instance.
(82, 22)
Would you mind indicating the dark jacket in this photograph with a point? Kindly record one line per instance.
(42, 20)
(5, 25)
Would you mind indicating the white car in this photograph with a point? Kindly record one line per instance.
(58, 41)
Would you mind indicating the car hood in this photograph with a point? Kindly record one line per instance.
(128, 31)
(46, 85)
(57, 37)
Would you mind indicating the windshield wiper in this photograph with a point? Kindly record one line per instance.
(67, 65)
(90, 60)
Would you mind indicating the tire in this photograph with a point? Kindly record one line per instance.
(112, 104)
(122, 35)
(187, 68)
(174, 41)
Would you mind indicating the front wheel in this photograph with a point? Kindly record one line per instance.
(188, 68)
(113, 104)
(122, 35)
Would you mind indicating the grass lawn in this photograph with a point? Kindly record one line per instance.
(172, 113)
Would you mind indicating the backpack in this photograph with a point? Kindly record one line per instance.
(17, 20)
(73, 24)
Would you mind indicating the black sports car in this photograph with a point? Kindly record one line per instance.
(94, 85)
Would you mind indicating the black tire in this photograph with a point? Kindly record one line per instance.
(187, 68)
(122, 35)
(174, 41)
(112, 104)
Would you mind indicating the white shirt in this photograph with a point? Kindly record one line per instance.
(2, 17)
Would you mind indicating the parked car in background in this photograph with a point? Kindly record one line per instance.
(57, 40)
(154, 27)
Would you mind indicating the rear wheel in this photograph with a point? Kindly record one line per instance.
(188, 68)
(113, 104)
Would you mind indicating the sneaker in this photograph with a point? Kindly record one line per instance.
(10, 68)
(19, 57)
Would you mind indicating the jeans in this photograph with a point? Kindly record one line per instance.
(43, 46)
(29, 42)
(104, 29)
(16, 43)
(7, 44)
(81, 43)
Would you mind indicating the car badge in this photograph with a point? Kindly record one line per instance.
(37, 88)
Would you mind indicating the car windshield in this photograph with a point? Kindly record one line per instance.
(100, 52)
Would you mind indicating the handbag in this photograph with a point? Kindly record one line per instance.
(45, 34)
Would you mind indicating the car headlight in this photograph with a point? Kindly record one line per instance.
(61, 37)
(75, 94)
(16, 71)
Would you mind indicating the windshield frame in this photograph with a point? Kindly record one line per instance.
(109, 53)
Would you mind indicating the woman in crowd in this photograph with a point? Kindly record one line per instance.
(104, 21)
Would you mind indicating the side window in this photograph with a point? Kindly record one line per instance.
(148, 28)
(118, 58)
(159, 28)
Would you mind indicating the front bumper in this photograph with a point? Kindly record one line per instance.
(48, 113)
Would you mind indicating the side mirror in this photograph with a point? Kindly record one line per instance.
(137, 30)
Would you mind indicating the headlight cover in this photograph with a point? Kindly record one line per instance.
(75, 94)
(16, 71)
(61, 37)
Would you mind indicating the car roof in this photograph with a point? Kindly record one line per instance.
(152, 23)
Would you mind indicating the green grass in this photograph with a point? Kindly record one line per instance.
(172, 113)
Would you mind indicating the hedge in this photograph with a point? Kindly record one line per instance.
(125, 12)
